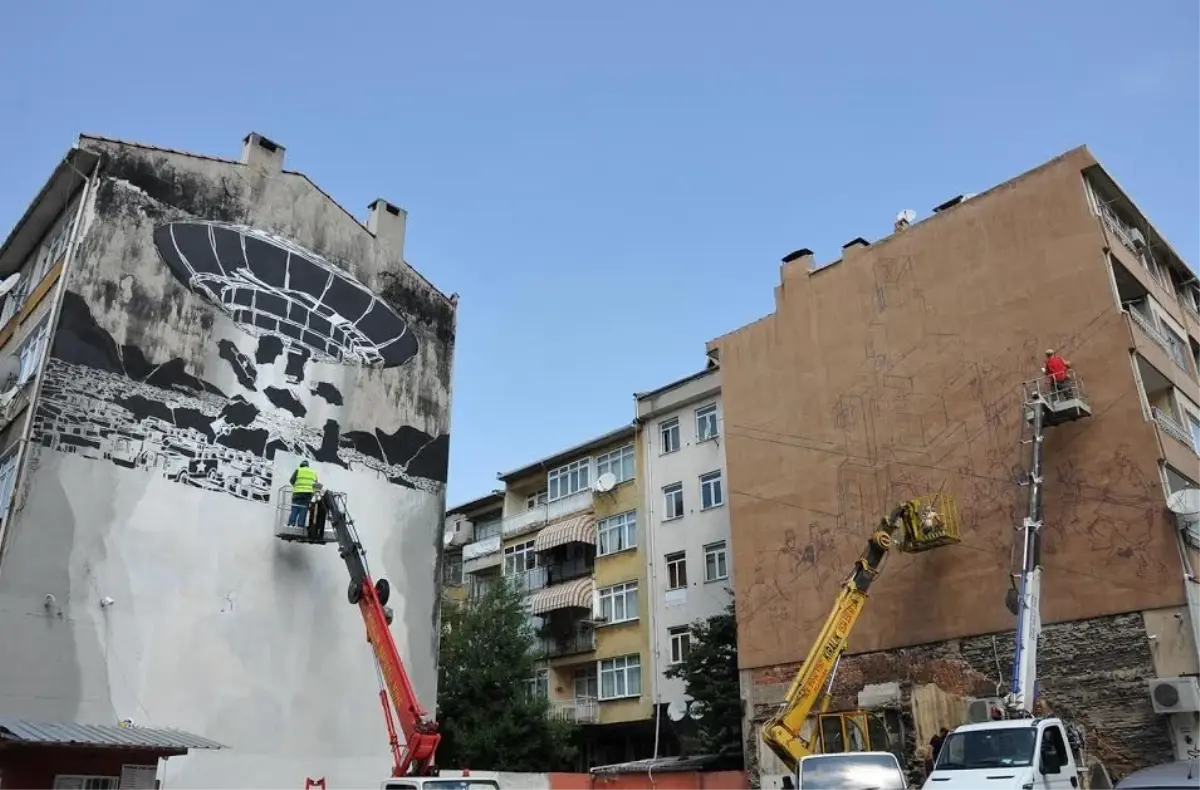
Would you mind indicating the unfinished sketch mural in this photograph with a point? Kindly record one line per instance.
(289, 309)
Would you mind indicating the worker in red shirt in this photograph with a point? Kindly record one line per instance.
(1058, 369)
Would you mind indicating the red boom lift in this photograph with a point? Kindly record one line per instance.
(421, 737)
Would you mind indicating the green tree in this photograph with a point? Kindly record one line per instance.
(490, 718)
(710, 673)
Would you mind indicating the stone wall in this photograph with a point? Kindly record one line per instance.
(1093, 672)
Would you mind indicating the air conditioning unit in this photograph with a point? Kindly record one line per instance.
(1139, 240)
(1175, 695)
(980, 709)
(461, 531)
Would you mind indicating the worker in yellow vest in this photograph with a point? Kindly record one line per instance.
(304, 483)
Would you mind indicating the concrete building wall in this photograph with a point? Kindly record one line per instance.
(179, 395)
(631, 637)
(698, 529)
(902, 366)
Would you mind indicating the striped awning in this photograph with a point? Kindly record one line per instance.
(577, 529)
(575, 594)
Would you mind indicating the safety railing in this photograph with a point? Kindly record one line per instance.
(1170, 426)
(1159, 336)
(1051, 391)
(936, 523)
(570, 644)
(581, 710)
(283, 512)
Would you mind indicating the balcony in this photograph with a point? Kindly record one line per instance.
(556, 646)
(536, 517)
(581, 710)
(1171, 426)
(1174, 350)
(528, 581)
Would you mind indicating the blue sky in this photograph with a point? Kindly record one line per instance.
(609, 185)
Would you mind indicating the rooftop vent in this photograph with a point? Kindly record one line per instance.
(952, 202)
(803, 252)
(858, 241)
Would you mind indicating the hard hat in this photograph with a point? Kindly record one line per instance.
(304, 463)
(1049, 352)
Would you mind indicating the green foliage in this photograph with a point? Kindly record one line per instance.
(710, 673)
(490, 720)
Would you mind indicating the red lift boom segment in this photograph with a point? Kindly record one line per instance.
(421, 737)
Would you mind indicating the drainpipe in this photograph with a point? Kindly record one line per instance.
(85, 198)
(651, 583)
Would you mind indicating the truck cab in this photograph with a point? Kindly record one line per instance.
(850, 771)
(1016, 754)
(446, 780)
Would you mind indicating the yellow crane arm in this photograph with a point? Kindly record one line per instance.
(783, 732)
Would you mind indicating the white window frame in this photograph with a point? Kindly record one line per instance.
(589, 679)
(625, 672)
(681, 643)
(536, 499)
(8, 480)
(568, 479)
(716, 554)
(616, 533)
(676, 570)
(627, 594)
(668, 436)
(32, 351)
(539, 684)
(712, 490)
(672, 504)
(707, 426)
(519, 558)
(619, 462)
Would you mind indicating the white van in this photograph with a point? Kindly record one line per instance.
(850, 771)
(446, 780)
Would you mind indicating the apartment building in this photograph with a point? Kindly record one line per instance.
(570, 538)
(685, 507)
(898, 370)
(179, 332)
(474, 524)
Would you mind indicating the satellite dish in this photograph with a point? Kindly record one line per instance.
(677, 710)
(606, 482)
(9, 283)
(1185, 502)
(906, 216)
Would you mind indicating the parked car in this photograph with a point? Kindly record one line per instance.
(1181, 775)
(850, 771)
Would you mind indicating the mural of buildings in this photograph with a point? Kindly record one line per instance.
(184, 330)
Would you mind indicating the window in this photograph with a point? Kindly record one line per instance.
(618, 462)
(681, 643)
(619, 603)
(31, 352)
(616, 533)
(535, 500)
(1178, 346)
(676, 570)
(452, 570)
(586, 683)
(716, 563)
(672, 501)
(1194, 430)
(8, 478)
(668, 434)
(539, 684)
(519, 558)
(77, 782)
(569, 479)
(487, 529)
(711, 494)
(621, 677)
(706, 422)
(138, 777)
(1010, 747)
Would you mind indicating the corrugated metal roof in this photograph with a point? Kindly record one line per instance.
(103, 735)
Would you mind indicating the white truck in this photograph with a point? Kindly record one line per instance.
(1010, 754)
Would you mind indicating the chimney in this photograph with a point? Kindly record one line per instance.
(262, 154)
(855, 243)
(386, 223)
(803, 255)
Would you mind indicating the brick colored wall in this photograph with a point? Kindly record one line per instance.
(1093, 672)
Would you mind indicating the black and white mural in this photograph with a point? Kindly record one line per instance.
(291, 330)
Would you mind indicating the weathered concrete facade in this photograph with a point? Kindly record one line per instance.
(216, 322)
(897, 371)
